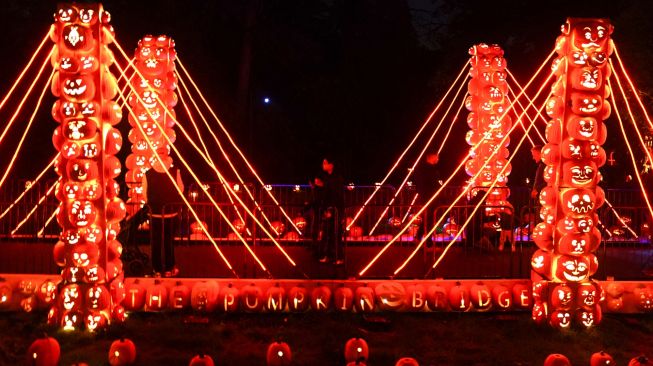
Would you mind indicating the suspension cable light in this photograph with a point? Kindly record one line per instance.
(632, 87)
(567, 236)
(31, 212)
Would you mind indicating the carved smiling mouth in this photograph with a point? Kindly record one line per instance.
(589, 108)
(590, 44)
(587, 319)
(580, 209)
(75, 91)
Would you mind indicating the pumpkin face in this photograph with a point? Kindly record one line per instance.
(95, 320)
(278, 354)
(70, 298)
(44, 352)
(588, 295)
(541, 262)
(577, 244)
(543, 236)
(78, 88)
(562, 297)
(122, 352)
(560, 319)
(72, 320)
(356, 349)
(390, 295)
(539, 313)
(644, 298)
(580, 174)
(46, 293)
(572, 269)
(97, 298)
(321, 298)
(588, 318)
(583, 128)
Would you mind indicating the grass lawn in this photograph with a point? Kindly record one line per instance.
(318, 339)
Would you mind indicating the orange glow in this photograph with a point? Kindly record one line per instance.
(616, 214)
(631, 154)
(421, 153)
(632, 86)
(22, 73)
(455, 118)
(27, 127)
(174, 182)
(47, 222)
(27, 93)
(462, 194)
(174, 148)
(514, 80)
(38, 177)
(396, 163)
(412, 203)
(462, 163)
(235, 146)
(31, 212)
(521, 121)
(462, 228)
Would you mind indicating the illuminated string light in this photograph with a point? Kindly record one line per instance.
(422, 152)
(400, 158)
(632, 86)
(31, 212)
(410, 222)
(47, 222)
(462, 228)
(235, 146)
(530, 119)
(410, 207)
(454, 119)
(208, 156)
(630, 113)
(205, 189)
(29, 187)
(27, 127)
(514, 80)
(179, 191)
(621, 220)
(226, 156)
(520, 121)
(632, 155)
(26, 95)
(22, 73)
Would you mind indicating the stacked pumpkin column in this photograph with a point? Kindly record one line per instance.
(155, 84)
(567, 237)
(488, 123)
(90, 210)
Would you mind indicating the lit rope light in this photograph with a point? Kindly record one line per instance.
(171, 144)
(632, 155)
(487, 192)
(616, 214)
(398, 235)
(531, 119)
(47, 222)
(235, 146)
(410, 207)
(29, 187)
(31, 212)
(400, 158)
(514, 80)
(226, 156)
(181, 194)
(632, 86)
(29, 124)
(208, 156)
(521, 123)
(422, 152)
(630, 113)
(22, 73)
(27, 93)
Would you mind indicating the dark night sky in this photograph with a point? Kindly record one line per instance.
(352, 78)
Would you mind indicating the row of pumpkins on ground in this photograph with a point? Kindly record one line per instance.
(46, 352)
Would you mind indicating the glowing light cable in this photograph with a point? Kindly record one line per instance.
(29, 187)
(31, 212)
(47, 222)
(621, 220)
(632, 86)
(394, 239)
(235, 146)
(29, 124)
(422, 152)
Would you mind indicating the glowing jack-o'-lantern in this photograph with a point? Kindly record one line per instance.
(97, 298)
(356, 349)
(541, 262)
(78, 88)
(44, 352)
(560, 319)
(577, 202)
(572, 269)
(588, 295)
(579, 174)
(390, 295)
(562, 297)
(321, 298)
(583, 127)
(82, 213)
(588, 318)
(577, 244)
(71, 297)
(122, 352)
(278, 354)
(276, 298)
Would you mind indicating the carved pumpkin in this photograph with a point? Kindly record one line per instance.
(276, 299)
(97, 298)
(560, 319)
(415, 297)
(278, 354)
(540, 312)
(298, 299)
(390, 295)
(436, 298)
(522, 296)
(407, 361)
(156, 297)
(562, 296)
(356, 349)
(44, 352)
(321, 298)
(228, 298)
(644, 298)
(364, 299)
(179, 297)
(639, 360)
(344, 298)
(135, 299)
(459, 298)
(122, 352)
(501, 297)
(601, 359)
(480, 296)
(204, 296)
